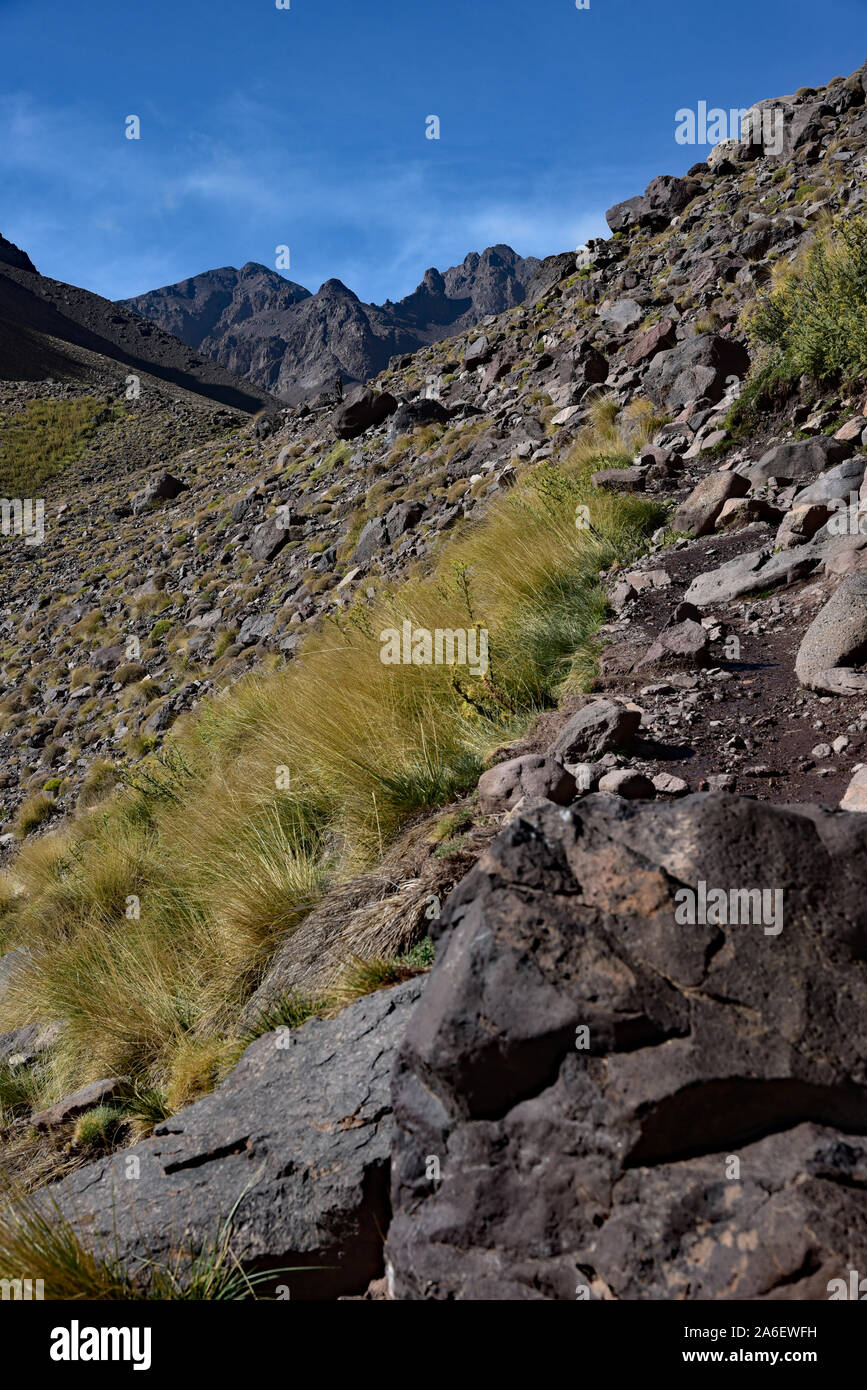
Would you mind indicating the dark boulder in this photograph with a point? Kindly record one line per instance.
(294, 1146)
(164, 488)
(552, 271)
(269, 538)
(413, 414)
(268, 423)
(372, 541)
(402, 517)
(625, 214)
(595, 1099)
(363, 409)
(664, 198)
(699, 367)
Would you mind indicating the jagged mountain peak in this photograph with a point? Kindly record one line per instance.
(289, 341)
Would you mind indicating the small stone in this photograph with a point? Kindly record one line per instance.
(718, 782)
(68, 1109)
(625, 782)
(667, 785)
(534, 776)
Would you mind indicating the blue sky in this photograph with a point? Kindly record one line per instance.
(306, 127)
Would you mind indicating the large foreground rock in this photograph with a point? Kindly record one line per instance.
(592, 1097)
(747, 574)
(700, 367)
(295, 1142)
(836, 641)
(803, 458)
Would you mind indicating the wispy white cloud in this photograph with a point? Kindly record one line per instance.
(123, 216)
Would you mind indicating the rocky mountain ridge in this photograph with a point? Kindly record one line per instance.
(48, 327)
(264, 327)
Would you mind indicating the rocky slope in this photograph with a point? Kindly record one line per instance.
(46, 325)
(590, 1098)
(293, 343)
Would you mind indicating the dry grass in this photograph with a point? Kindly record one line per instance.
(43, 439)
(150, 922)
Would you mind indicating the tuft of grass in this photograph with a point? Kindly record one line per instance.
(101, 778)
(223, 641)
(197, 1064)
(292, 1011)
(160, 628)
(99, 1128)
(363, 977)
(451, 825)
(147, 1106)
(20, 1092)
(35, 811)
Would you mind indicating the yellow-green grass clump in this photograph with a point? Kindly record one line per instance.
(149, 921)
(39, 442)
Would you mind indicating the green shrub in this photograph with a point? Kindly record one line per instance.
(814, 320)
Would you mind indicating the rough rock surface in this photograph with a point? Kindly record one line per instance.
(594, 730)
(801, 459)
(696, 368)
(836, 641)
(602, 1158)
(295, 1142)
(697, 514)
(503, 786)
